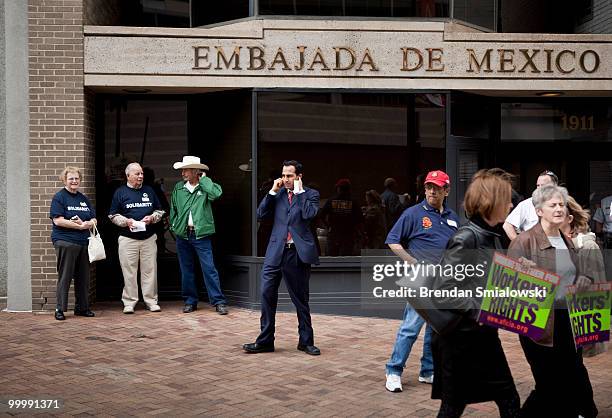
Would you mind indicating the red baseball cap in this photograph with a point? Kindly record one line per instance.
(438, 177)
(343, 182)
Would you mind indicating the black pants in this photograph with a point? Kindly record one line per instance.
(72, 262)
(562, 385)
(296, 275)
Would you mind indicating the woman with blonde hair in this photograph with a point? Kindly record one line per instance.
(590, 258)
(73, 216)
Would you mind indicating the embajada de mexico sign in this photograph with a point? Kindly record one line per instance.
(345, 54)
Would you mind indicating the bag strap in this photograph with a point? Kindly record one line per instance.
(93, 232)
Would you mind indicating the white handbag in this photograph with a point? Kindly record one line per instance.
(96, 246)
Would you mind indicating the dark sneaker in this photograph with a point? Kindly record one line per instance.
(189, 308)
(87, 313)
(59, 315)
(222, 309)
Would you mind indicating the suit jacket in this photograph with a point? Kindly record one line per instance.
(295, 219)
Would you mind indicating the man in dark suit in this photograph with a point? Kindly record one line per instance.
(290, 253)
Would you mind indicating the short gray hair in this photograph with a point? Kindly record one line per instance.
(543, 194)
(130, 167)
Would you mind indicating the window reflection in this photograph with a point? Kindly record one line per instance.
(154, 133)
(600, 202)
(477, 12)
(362, 152)
(157, 132)
(373, 8)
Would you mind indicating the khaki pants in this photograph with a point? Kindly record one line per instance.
(131, 252)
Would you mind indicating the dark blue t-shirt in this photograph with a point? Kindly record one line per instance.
(423, 231)
(68, 204)
(135, 204)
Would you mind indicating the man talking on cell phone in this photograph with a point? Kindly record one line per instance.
(289, 255)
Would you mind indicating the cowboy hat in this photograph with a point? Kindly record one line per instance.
(190, 161)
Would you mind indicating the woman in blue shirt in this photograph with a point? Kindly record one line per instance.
(73, 216)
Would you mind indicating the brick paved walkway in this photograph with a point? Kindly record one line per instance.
(175, 364)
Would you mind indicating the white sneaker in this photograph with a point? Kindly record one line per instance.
(428, 380)
(154, 308)
(128, 309)
(394, 383)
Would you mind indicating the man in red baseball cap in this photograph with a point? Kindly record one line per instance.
(437, 187)
(438, 177)
(420, 234)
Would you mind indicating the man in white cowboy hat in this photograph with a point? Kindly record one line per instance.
(134, 209)
(191, 219)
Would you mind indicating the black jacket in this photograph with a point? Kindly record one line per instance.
(472, 245)
(469, 362)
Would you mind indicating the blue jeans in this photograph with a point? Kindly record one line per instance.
(187, 249)
(406, 336)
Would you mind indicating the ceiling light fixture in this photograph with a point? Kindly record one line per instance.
(137, 91)
(550, 94)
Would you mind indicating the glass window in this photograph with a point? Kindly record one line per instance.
(158, 132)
(160, 13)
(209, 12)
(350, 146)
(154, 133)
(552, 16)
(477, 12)
(163, 13)
(220, 133)
(560, 120)
(372, 8)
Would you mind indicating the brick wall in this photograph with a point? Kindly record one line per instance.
(61, 132)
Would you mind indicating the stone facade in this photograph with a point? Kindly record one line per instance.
(61, 132)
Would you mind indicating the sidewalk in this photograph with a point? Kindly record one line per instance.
(175, 364)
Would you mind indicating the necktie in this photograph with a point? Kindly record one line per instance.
(290, 195)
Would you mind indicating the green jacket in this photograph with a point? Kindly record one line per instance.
(198, 203)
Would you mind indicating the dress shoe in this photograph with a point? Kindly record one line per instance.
(59, 315)
(221, 309)
(309, 349)
(87, 313)
(258, 348)
(190, 308)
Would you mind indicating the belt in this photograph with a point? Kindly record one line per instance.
(290, 245)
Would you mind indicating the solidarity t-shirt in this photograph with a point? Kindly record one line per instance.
(135, 204)
(68, 204)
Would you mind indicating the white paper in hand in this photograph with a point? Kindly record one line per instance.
(138, 226)
(297, 186)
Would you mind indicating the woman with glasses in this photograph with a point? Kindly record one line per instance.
(73, 216)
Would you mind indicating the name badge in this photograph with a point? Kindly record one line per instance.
(452, 223)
